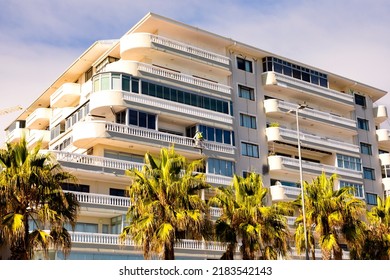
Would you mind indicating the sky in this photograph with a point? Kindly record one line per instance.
(39, 39)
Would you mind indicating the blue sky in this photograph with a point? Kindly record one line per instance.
(39, 39)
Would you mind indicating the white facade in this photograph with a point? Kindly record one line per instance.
(162, 81)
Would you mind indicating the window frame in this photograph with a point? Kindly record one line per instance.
(253, 154)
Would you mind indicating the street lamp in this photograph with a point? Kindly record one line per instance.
(301, 107)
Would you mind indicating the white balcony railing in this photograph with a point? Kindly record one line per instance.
(176, 76)
(189, 49)
(178, 107)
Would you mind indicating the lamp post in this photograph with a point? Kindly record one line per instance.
(301, 107)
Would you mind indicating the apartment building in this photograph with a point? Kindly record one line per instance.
(164, 80)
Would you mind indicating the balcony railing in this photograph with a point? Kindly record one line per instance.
(102, 199)
(178, 107)
(179, 77)
(274, 105)
(166, 137)
(189, 49)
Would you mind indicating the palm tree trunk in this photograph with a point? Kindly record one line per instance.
(229, 253)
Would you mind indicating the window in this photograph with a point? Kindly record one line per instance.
(246, 92)
(368, 173)
(365, 148)
(212, 134)
(75, 187)
(120, 117)
(249, 150)
(360, 100)
(220, 167)
(244, 64)
(88, 74)
(362, 124)
(248, 121)
(349, 162)
(142, 119)
(295, 71)
(371, 198)
(358, 188)
(123, 156)
(117, 192)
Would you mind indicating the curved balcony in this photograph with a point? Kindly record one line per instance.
(384, 159)
(36, 135)
(134, 45)
(283, 193)
(39, 118)
(102, 103)
(380, 113)
(88, 133)
(309, 140)
(67, 95)
(280, 109)
(16, 134)
(280, 165)
(386, 184)
(138, 68)
(306, 91)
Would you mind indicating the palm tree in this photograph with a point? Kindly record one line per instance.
(331, 216)
(377, 242)
(262, 229)
(34, 207)
(165, 203)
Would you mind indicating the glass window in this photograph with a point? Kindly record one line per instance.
(220, 167)
(349, 162)
(246, 92)
(358, 188)
(249, 150)
(248, 121)
(371, 199)
(363, 124)
(365, 148)
(133, 117)
(88, 74)
(244, 64)
(125, 83)
(360, 100)
(134, 85)
(368, 173)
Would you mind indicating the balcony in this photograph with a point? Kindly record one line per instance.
(306, 91)
(175, 108)
(386, 184)
(132, 45)
(68, 95)
(89, 133)
(284, 193)
(309, 140)
(59, 115)
(380, 113)
(280, 165)
(36, 135)
(136, 68)
(383, 136)
(107, 165)
(16, 134)
(39, 119)
(279, 109)
(384, 159)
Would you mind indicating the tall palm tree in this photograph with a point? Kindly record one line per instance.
(34, 207)
(331, 216)
(377, 242)
(262, 229)
(165, 203)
